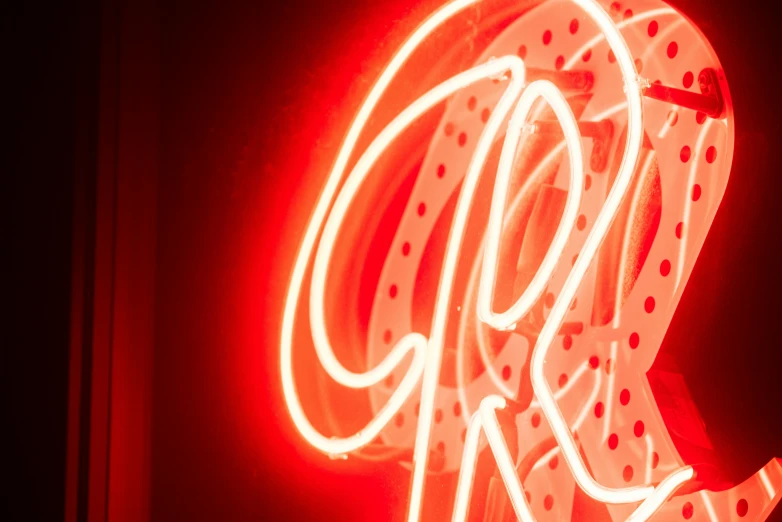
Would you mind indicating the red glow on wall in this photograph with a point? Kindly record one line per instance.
(592, 293)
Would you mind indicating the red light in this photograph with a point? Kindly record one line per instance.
(654, 202)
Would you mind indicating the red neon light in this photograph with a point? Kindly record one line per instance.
(622, 455)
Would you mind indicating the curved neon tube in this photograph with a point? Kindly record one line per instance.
(582, 415)
(427, 355)
(338, 212)
(434, 354)
(661, 493)
(507, 320)
(491, 372)
(327, 444)
(411, 342)
(486, 419)
(499, 383)
(595, 238)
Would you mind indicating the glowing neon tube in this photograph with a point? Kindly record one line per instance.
(486, 418)
(427, 354)
(507, 320)
(327, 444)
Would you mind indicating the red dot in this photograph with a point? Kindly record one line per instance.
(655, 460)
(472, 103)
(562, 380)
(573, 26)
(462, 139)
(392, 291)
(449, 128)
(615, 7)
(742, 507)
(559, 63)
(406, 249)
(457, 408)
(652, 29)
(685, 154)
(522, 52)
(624, 397)
(549, 300)
(567, 342)
(649, 305)
(634, 340)
(587, 182)
(696, 192)
(611, 56)
(679, 230)
(665, 267)
(535, 420)
(387, 336)
(673, 48)
(553, 463)
(599, 409)
(711, 154)
(613, 441)
(485, 113)
(594, 362)
(688, 79)
(440, 170)
(587, 55)
(399, 420)
(548, 502)
(700, 117)
(627, 473)
(421, 209)
(547, 37)
(687, 510)
(581, 222)
(628, 14)
(638, 429)
(506, 372)
(438, 415)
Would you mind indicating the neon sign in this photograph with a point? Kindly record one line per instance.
(674, 151)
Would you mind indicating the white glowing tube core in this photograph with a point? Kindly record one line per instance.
(427, 353)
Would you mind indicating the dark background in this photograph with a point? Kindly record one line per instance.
(251, 97)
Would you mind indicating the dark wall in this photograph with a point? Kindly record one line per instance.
(49, 59)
